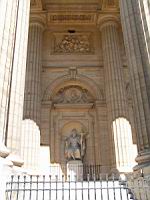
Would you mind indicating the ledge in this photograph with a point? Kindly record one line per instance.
(73, 106)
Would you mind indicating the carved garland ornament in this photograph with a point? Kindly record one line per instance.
(73, 95)
(74, 44)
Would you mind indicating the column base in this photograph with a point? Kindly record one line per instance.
(143, 157)
(143, 167)
(16, 160)
(4, 152)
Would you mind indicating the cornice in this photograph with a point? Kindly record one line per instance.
(97, 18)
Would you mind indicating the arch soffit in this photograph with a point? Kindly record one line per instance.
(80, 80)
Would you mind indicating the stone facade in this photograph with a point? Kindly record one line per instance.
(87, 68)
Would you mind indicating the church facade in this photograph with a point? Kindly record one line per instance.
(76, 65)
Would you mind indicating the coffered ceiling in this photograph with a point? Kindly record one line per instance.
(73, 4)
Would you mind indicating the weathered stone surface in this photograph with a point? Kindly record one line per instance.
(79, 75)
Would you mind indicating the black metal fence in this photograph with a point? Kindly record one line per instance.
(45, 188)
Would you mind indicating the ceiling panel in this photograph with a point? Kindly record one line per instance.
(70, 1)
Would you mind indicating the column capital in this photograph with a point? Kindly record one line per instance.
(38, 19)
(109, 20)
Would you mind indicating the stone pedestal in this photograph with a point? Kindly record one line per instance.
(75, 170)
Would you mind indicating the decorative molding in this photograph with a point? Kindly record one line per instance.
(105, 20)
(36, 4)
(81, 80)
(73, 95)
(79, 18)
(86, 106)
(73, 73)
(80, 4)
(76, 43)
(110, 4)
(38, 19)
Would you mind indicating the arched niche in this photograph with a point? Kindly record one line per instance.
(66, 130)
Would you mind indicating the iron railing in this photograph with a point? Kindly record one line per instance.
(61, 169)
(25, 187)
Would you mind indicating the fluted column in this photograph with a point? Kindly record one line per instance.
(18, 78)
(32, 101)
(115, 89)
(116, 98)
(136, 33)
(8, 19)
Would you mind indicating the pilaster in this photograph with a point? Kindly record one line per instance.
(102, 137)
(32, 101)
(30, 141)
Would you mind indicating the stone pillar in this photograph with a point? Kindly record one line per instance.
(116, 98)
(32, 101)
(18, 78)
(139, 65)
(8, 18)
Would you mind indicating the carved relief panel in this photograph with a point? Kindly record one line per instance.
(73, 95)
(76, 43)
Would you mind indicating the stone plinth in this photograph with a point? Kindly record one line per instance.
(75, 170)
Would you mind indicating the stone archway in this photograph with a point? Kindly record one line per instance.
(79, 80)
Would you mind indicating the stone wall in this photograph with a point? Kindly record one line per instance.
(67, 62)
